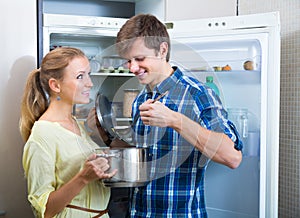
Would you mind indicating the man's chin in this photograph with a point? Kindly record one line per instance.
(143, 81)
(142, 78)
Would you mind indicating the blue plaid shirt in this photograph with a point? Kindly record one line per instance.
(177, 168)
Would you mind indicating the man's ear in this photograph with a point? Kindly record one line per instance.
(164, 49)
(54, 85)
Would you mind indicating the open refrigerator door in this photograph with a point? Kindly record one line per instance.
(241, 54)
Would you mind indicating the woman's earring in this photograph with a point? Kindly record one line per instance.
(58, 98)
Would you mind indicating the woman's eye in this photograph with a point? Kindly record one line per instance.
(80, 76)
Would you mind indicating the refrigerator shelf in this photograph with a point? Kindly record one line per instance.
(233, 76)
(239, 76)
(113, 74)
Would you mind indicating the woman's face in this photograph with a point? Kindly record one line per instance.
(76, 84)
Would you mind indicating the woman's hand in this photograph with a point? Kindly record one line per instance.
(95, 168)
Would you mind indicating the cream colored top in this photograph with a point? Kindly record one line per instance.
(52, 156)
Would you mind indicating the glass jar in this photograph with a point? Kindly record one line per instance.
(129, 96)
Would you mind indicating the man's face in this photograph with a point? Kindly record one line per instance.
(147, 66)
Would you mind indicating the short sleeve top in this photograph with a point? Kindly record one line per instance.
(52, 156)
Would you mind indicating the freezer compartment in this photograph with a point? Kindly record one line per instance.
(90, 44)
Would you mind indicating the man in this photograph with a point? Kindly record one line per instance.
(183, 129)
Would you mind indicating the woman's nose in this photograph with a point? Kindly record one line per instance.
(89, 82)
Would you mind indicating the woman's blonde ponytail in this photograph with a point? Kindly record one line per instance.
(33, 105)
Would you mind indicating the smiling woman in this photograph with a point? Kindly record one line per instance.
(60, 164)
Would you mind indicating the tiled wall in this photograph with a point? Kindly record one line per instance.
(289, 151)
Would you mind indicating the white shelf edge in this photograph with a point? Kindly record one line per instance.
(113, 74)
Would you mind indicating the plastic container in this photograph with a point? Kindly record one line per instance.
(210, 83)
(239, 116)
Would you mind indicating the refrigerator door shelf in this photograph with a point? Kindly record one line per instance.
(230, 77)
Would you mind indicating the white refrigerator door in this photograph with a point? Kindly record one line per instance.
(200, 45)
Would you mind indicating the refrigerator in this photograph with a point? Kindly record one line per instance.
(223, 48)
(242, 54)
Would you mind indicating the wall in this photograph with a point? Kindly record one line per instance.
(18, 56)
(289, 147)
(195, 9)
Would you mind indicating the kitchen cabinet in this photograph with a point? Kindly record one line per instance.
(110, 8)
(168, 10)
(171, 10)
(155, 7)
(195, 9)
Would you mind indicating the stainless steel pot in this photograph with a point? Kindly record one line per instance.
(132, 164)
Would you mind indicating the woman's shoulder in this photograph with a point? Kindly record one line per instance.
(41, 137)
(43, 129)
(44, 125)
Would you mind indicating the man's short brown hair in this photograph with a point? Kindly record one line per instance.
(147, 27)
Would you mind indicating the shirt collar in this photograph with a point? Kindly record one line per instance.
(168, 83)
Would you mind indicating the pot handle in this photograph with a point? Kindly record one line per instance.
(117, 155)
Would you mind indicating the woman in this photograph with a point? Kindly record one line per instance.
(62, 171)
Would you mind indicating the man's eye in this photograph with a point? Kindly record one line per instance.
(139, 59)
(136, 59)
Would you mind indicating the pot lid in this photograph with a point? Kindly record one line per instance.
(107, 120)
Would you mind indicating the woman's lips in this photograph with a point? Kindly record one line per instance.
(86, 93)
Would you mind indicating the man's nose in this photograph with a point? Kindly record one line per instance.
(133, 66)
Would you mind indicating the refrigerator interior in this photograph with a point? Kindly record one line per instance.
(231, 193)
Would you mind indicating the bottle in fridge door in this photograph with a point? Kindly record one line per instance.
(210, 83)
